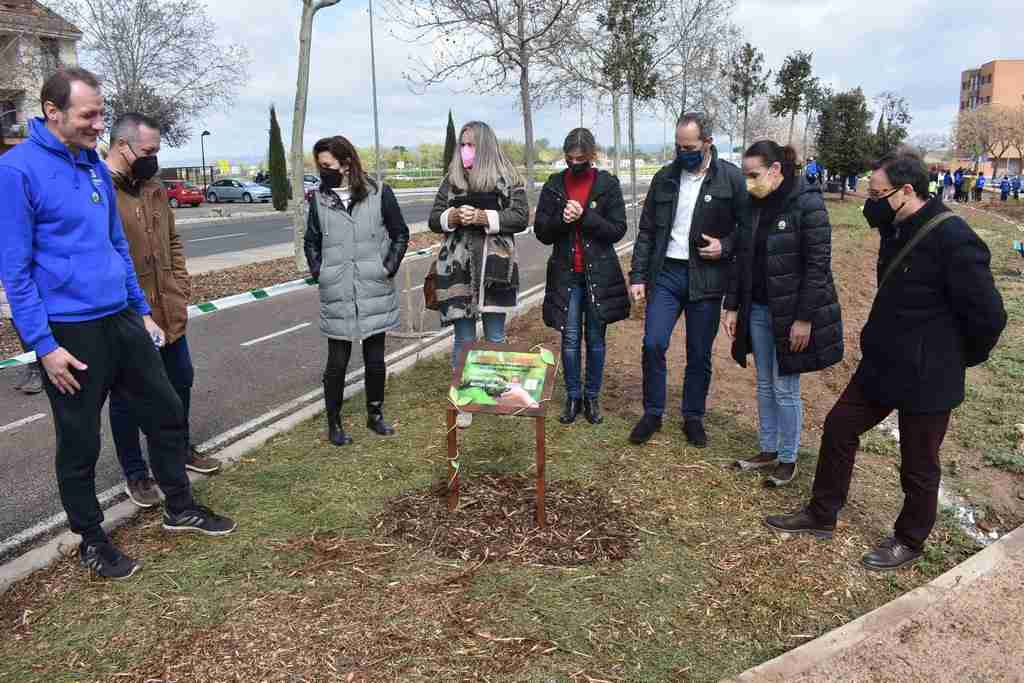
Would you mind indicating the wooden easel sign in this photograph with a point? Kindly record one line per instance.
(501, 379)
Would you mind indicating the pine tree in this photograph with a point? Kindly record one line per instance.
(844, 136)
(278, 168)
(449, 144)
(881, 144)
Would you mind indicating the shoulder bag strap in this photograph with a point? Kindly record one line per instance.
(913, 242)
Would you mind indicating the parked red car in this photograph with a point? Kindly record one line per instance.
(182, 192)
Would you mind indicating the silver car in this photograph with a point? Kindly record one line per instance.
(231, 190)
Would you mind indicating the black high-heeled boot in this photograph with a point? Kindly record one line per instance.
(334, 394)
(375, 419)
(592, 411)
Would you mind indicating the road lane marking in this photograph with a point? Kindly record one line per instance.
(219, 237)
(276, 334)
(21, 423)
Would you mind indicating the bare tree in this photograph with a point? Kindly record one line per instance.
(498, 44)
(698, 37)
(160, 57)
(309, 10)
(986, 130)
(927, 143)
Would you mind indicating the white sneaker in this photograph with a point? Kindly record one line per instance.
(464, 420)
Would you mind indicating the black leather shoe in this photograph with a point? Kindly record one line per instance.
(695, 434)
(592, 411)
(571, 412)
(645, 429)
(802, 522)
(375, 419)
(890, 554)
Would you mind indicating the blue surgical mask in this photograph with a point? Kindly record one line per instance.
(689, 160)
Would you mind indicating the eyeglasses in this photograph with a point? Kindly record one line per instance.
(881, 194)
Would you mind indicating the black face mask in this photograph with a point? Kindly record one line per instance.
(580, 168)
(879, 212)
(144, 168)
(331, 177)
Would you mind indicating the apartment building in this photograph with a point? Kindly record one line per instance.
(1000, 82)
(34, 41)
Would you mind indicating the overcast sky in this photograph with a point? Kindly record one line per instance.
(914, 47)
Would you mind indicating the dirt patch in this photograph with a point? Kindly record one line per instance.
(495, 522)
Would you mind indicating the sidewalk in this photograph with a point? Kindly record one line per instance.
(976, 612)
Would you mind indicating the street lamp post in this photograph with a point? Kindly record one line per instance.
(373, 78)
(202, 147)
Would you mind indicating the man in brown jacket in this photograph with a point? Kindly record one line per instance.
(159, 261)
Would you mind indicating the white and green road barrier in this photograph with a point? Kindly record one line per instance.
(198, 310)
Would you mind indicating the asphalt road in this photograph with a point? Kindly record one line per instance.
(220, 237)
(262, 376)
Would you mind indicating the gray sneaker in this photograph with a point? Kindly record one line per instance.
(783, 473)
(30, 382)
(759, 461)
(143, 492)
(197, 462)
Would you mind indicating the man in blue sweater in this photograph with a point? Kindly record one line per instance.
(76, 301)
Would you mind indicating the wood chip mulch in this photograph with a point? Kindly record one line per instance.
(495, 522)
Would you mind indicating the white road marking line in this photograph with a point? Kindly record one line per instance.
(276, 334)
(220, 237)
(21, 423)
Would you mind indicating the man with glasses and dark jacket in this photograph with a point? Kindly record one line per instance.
(937, 312)
(681, 262)
(68, 273)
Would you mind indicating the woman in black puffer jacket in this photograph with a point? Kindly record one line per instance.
(582, 214)
(781, 303)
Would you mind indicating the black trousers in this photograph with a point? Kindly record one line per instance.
(122, 360)
(338, 354)
(921, 437)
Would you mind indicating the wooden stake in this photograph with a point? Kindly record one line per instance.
(453, 453)
(542, 519)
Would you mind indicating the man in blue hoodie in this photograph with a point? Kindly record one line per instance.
(76, 301)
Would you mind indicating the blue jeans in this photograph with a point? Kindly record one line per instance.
(779, 407)
(124, 424)
(572, 336)
(465, 332)
(667, 299)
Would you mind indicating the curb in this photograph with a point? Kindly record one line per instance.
(888, 617)
(234, 300)
(43, 556)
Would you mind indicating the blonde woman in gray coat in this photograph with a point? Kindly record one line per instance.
(355, 240)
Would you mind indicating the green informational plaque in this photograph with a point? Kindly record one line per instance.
(503, 379)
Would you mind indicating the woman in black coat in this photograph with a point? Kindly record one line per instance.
(582, 214)
(781, 303)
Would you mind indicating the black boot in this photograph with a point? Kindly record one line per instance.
(571, 412)
(375, 419)
(334, 393)
(592, 411)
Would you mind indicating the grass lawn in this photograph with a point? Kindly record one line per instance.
(656, 566)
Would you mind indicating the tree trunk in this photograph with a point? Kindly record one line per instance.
(617, 130)
(524, 100)
(298, 130)
(792, 124)
(807, 124)
(746, 109)
(632, 155)
(298, 208)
